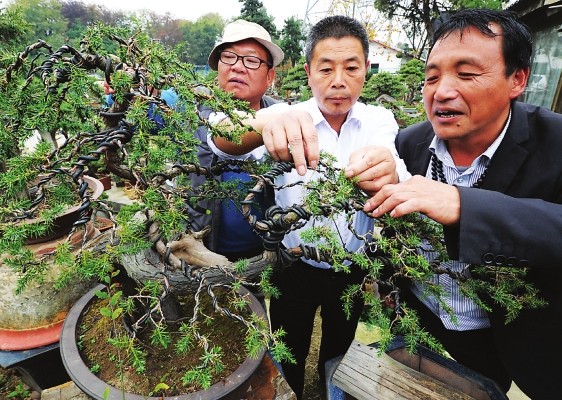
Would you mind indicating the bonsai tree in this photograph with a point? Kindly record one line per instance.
(56, 95)
(295, 82)
(151, 257)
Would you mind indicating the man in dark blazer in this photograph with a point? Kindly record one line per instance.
(489, 169)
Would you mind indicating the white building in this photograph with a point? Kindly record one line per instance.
(385, 58)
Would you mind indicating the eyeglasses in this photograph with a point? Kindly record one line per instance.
(250, 62)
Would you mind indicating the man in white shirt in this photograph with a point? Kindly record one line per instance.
(361, 138)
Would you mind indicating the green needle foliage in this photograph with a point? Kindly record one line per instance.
(56, 96)
(57, 92)
(395, 257)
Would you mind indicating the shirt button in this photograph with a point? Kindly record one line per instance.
(460, 180)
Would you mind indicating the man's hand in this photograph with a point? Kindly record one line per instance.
(291, 136)
(438, 201)
(373, 167)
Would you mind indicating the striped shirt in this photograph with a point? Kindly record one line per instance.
(469, 314)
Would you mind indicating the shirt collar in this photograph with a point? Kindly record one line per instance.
(439, 147)
(318, 117)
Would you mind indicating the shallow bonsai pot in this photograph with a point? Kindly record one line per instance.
(34, 318)
(232, 387)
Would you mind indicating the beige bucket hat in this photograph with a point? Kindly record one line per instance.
(241, 30)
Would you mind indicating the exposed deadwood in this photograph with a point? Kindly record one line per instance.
(193, 251)
(148, 265)
(189, 248)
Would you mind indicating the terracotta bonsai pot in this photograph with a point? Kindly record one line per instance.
(232, 387)
(34, 317)
(105, 179)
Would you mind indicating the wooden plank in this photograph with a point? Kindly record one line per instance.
(364, 374)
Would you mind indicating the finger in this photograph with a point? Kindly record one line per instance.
(276, 140)
(372, 186)
(383, 201)
(384, 173)
(283, 135)
(357, 165)
(267, 137)
(310, 137)
(296, 144)
(367, 158)
(404, 208)
(375, 178)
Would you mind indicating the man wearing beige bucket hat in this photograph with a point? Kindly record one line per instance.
(245, 59)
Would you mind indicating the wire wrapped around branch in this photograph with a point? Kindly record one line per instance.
(23, 55)
(208, 172)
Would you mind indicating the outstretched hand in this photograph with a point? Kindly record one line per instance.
(438, 201)
(291, 136)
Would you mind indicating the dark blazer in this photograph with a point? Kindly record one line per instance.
(515, 219)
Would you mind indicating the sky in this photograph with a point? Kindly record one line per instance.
(193, 9)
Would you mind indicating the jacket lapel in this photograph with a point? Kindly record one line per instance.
(419, 164)
(511, 153)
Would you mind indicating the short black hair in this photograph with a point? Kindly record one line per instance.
(517, 44)
(336, 26)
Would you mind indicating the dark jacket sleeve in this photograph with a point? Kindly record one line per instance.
(499, 229)
(517, 218)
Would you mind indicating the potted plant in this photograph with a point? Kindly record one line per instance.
(32, 307)
(93, 370)
(42, 201)
(58, 92)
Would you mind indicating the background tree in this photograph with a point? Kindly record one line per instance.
(383, 83)
(164, 28)
(412, 74)
(199, 37)
(295, 82)
(418, 17)
(65, 20)
(292, 38)
(45, 19)
(399, 92)
(12, 28)
(362, 11)
(254, 11)
(79, 15)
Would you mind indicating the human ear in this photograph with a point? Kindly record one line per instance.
(518, 82)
